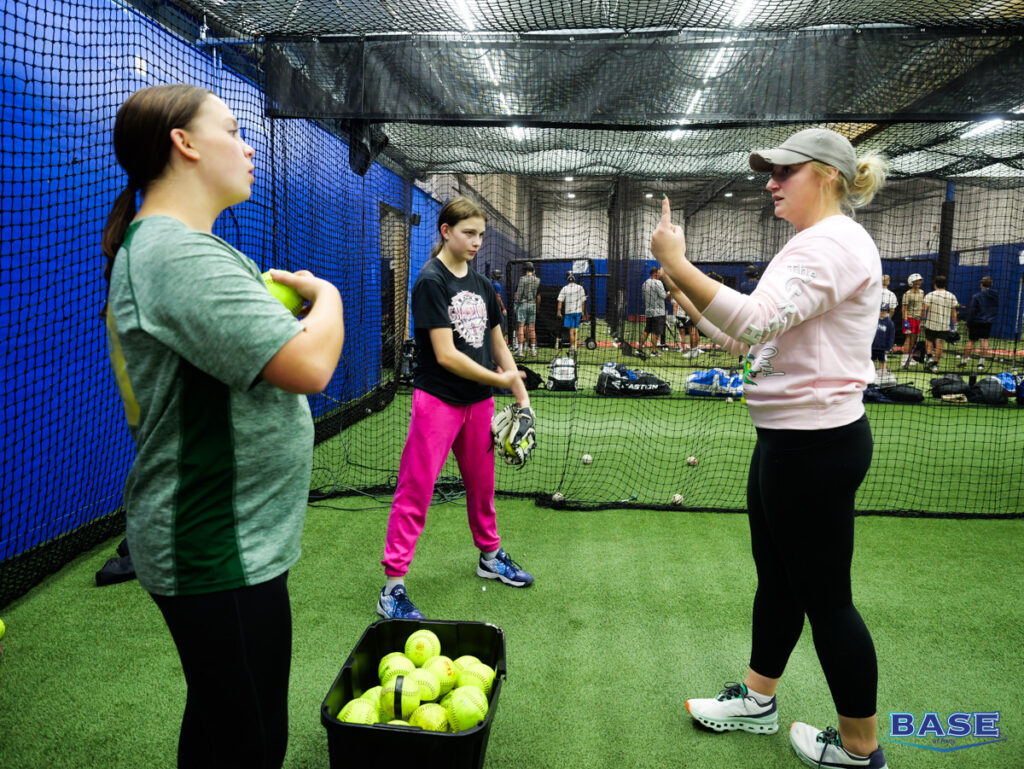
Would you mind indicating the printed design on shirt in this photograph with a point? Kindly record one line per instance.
(468, 314)
(754, 334)
(760, 364)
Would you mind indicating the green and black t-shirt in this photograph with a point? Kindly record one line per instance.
(216, 496)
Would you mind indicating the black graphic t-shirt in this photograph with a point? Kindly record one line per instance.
(469, 307)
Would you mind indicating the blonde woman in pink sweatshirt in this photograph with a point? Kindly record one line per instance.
(806, 336)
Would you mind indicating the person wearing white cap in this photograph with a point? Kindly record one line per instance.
(913, 309)
(806, 334)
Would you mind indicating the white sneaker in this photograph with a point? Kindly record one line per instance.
(823, 749)
(735, 708)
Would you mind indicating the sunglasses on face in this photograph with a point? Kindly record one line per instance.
(782, 173)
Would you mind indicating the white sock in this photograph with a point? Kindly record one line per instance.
(760, 699)
(392, 583)
(489, 555)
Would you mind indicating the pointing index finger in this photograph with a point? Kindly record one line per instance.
(666, 211)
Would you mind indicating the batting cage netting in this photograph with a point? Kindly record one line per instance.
(568, 122)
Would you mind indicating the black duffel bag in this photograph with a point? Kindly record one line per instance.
(902, 393)
(948, 384)
(989, 391)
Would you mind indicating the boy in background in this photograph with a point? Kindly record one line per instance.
(885, 336)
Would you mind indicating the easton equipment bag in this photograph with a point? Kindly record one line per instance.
(619, 380)
(1009, 382)
(715, 382)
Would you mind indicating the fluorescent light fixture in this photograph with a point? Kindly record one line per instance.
(988, 126)
(678, 134)
(743, 11)
(649, 195)
(728, 195)
(985, 127)
(571, 195)
(750, 177)
(568, 178)
(462, 8)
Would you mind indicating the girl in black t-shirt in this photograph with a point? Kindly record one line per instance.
(457, 321)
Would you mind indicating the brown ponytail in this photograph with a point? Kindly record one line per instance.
(142, 143)
(118, 219)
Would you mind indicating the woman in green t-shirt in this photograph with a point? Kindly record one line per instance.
(212, 371)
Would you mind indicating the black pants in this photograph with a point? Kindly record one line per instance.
(800, 495)
(235, 648)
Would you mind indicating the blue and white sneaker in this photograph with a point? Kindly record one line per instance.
(824, 750)
(504, 568)
(735, 708)
(396, 605)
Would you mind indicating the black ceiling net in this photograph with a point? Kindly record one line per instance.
(642, 89)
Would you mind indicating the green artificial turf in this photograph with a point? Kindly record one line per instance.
(633, 611)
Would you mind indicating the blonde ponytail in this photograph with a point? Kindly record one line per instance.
(872, 169)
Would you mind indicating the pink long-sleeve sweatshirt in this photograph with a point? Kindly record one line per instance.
(807, 328)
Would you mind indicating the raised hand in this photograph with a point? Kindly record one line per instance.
(668, 241)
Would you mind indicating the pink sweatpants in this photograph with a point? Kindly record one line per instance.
(435, 429)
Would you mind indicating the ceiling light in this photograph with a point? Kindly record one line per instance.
(743, 11)
(987, 126)
(568, 178)
(649, 195)
(462, 8)
(571, 195)
(728, 194)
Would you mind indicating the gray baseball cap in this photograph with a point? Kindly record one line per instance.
(829, 147)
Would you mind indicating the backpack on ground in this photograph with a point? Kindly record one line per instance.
(533, 380)
(948, 384)
(562, 374)
(989, 391)
(902, 393)
(874, 395)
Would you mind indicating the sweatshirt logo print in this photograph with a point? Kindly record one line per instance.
(760, 364)
(468, 315)
(755, 334)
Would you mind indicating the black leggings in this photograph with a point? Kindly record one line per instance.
(800, 496)
(235, 648)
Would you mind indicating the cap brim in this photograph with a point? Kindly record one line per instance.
(763, 160)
